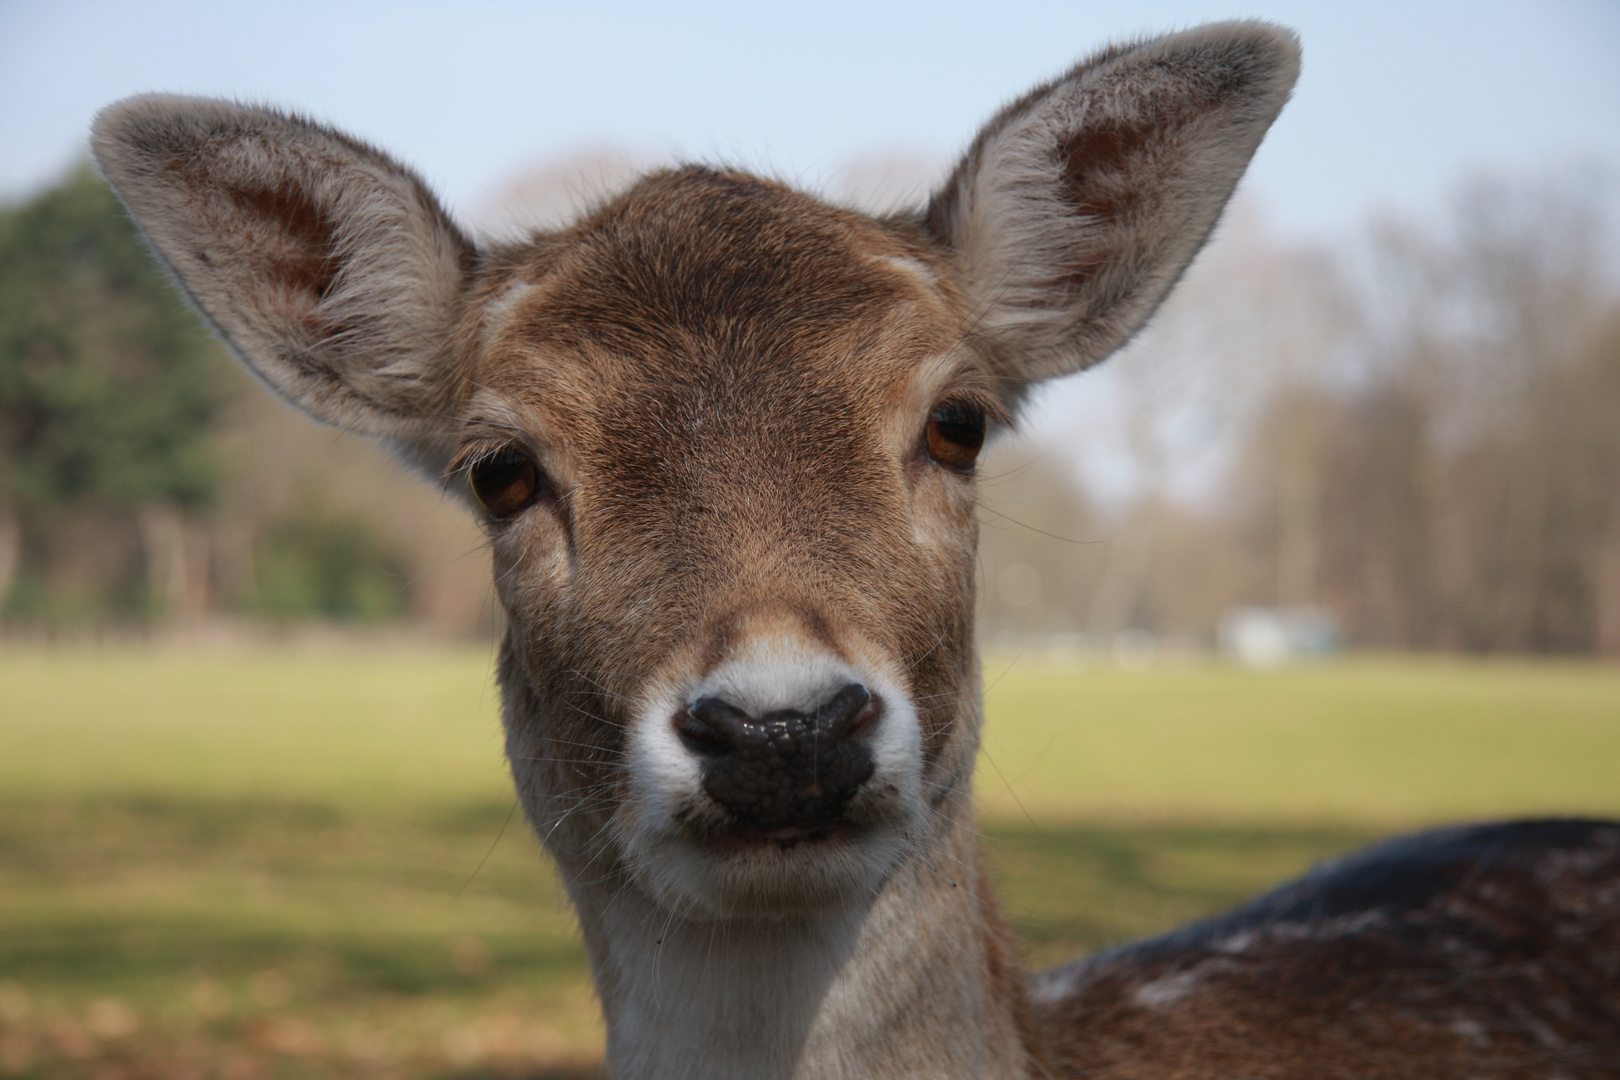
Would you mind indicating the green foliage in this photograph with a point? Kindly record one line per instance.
(328, 567)
(108, 385)
(109, 394)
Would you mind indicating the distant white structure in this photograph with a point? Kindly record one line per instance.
(1271, 637)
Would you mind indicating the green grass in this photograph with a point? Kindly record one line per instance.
(360, 728)
(290, 865)
(1382, 741)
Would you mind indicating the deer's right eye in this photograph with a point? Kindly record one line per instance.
(506, 483)
(955, 435)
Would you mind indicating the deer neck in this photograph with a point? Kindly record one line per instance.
(921, 981)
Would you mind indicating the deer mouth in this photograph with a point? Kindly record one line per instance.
(786, 837)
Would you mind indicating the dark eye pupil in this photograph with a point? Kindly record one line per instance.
(505, 484)
(955, 435)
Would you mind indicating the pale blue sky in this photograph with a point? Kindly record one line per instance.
(1397, 101)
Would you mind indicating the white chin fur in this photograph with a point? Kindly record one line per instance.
(662, 823)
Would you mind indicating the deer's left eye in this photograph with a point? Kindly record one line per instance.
(956, 435)
(506, 483)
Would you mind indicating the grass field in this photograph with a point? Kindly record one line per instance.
(290, 865)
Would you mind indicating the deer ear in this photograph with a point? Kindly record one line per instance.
(1078, 206)
(328, 267)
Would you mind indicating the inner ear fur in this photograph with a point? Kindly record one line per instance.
(1079, 205)
(328, 267)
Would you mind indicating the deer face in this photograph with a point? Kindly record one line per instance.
(731, 515)
(721, 435)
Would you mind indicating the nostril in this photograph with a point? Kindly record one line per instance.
(698, 737)
(845, 711)
(711, 727)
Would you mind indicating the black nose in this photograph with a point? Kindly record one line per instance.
(785, 768)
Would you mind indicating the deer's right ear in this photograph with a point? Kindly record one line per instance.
(329, 268)
(1078, 207)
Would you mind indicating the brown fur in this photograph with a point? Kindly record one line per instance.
(1490, 951)
(711, 481)
(723, 387)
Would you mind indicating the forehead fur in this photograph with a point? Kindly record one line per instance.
(728, 281)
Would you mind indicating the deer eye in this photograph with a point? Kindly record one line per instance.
(505, 483)
(955, 435)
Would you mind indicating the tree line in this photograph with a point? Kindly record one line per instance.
(1417, 431)
(144, 483)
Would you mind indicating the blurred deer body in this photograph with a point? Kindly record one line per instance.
(722, 436)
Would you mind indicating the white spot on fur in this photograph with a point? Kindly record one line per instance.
(1161, 993)
(1237, 943)
(498, 312)
(776, 671)
(917, 271)
(1054, 984)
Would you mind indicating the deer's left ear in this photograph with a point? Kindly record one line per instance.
(1079, 205)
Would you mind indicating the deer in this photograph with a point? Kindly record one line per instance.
(721, 436)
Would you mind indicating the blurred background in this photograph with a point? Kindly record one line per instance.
(1332, 548)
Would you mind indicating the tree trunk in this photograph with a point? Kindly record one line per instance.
(168, 562)
(10, 553)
